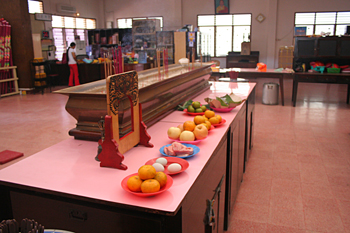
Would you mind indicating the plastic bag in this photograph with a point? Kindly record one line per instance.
(261, 67)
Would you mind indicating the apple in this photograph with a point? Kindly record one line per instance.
(174, 132)
(181, 127)
(200, 132)
(187, 136)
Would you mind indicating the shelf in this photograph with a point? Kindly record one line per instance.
(144, 34)
(145, 48)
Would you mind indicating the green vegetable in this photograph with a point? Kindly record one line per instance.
(185, 105)
(228, 99)
(221, 101)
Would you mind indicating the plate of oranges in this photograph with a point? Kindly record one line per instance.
(147, 182)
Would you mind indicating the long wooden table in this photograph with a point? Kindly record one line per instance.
(63, 187)
(328, 78)
(254, 73)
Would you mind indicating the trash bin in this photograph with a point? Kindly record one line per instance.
(270, 93)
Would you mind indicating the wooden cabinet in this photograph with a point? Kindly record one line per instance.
(331, 49)
(236, 60)
(235, 161)
(209, 187)
(249, 125)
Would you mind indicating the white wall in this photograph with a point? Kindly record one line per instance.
(86, 9)
(275, 31)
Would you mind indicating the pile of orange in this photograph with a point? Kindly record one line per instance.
(212, 117)
(148, 180)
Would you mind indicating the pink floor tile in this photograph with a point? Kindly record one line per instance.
(322, 222)
(338, 170)
(285, 156)
(312, 168)
(261, 154)
(242, 226)
(341, 192)
(286, 175)
(282, 229)
(287, 217)
(251, 212)
(335, 161)
(286, 166)
(256, 197)
(314, 178)
(344, 208)
(285, 186)
(261, 184)
(316, 190)
(286, 200)
(285, 148)
(309, 158)
(321, 205)
(340, 180)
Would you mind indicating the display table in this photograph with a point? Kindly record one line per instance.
(254, 73)
(63, 187)
(329, 78)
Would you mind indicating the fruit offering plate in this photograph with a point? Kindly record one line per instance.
(184, 164)
(223, 121)
(168, 184)
(222, 109)
(189, 142)
(195, 151)
(194, 113)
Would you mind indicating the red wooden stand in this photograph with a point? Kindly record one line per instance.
(110, 155)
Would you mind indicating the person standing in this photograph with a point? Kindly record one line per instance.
(73, 67)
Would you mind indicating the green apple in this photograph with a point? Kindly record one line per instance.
(196, 104)
(190, 109)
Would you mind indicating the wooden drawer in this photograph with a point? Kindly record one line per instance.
(305, 78)
(326, 79)
(85, 217)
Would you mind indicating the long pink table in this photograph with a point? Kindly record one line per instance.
(68, 169)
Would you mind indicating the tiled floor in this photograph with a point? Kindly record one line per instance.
(298, 177)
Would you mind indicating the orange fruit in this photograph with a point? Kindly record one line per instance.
(161, 178)
(199, 120)
(214, 120)
(219, 117)
(150, 186)
(209, 114)
(147, 172)
(134, 183)
(208, 123)
(189, 126)
(206, 118)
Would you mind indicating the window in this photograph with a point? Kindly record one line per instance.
(35, 7)
(65, 29)
(220, 34)
(333, 23)
(127, 22)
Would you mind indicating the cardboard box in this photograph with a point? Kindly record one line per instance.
(245, 48)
